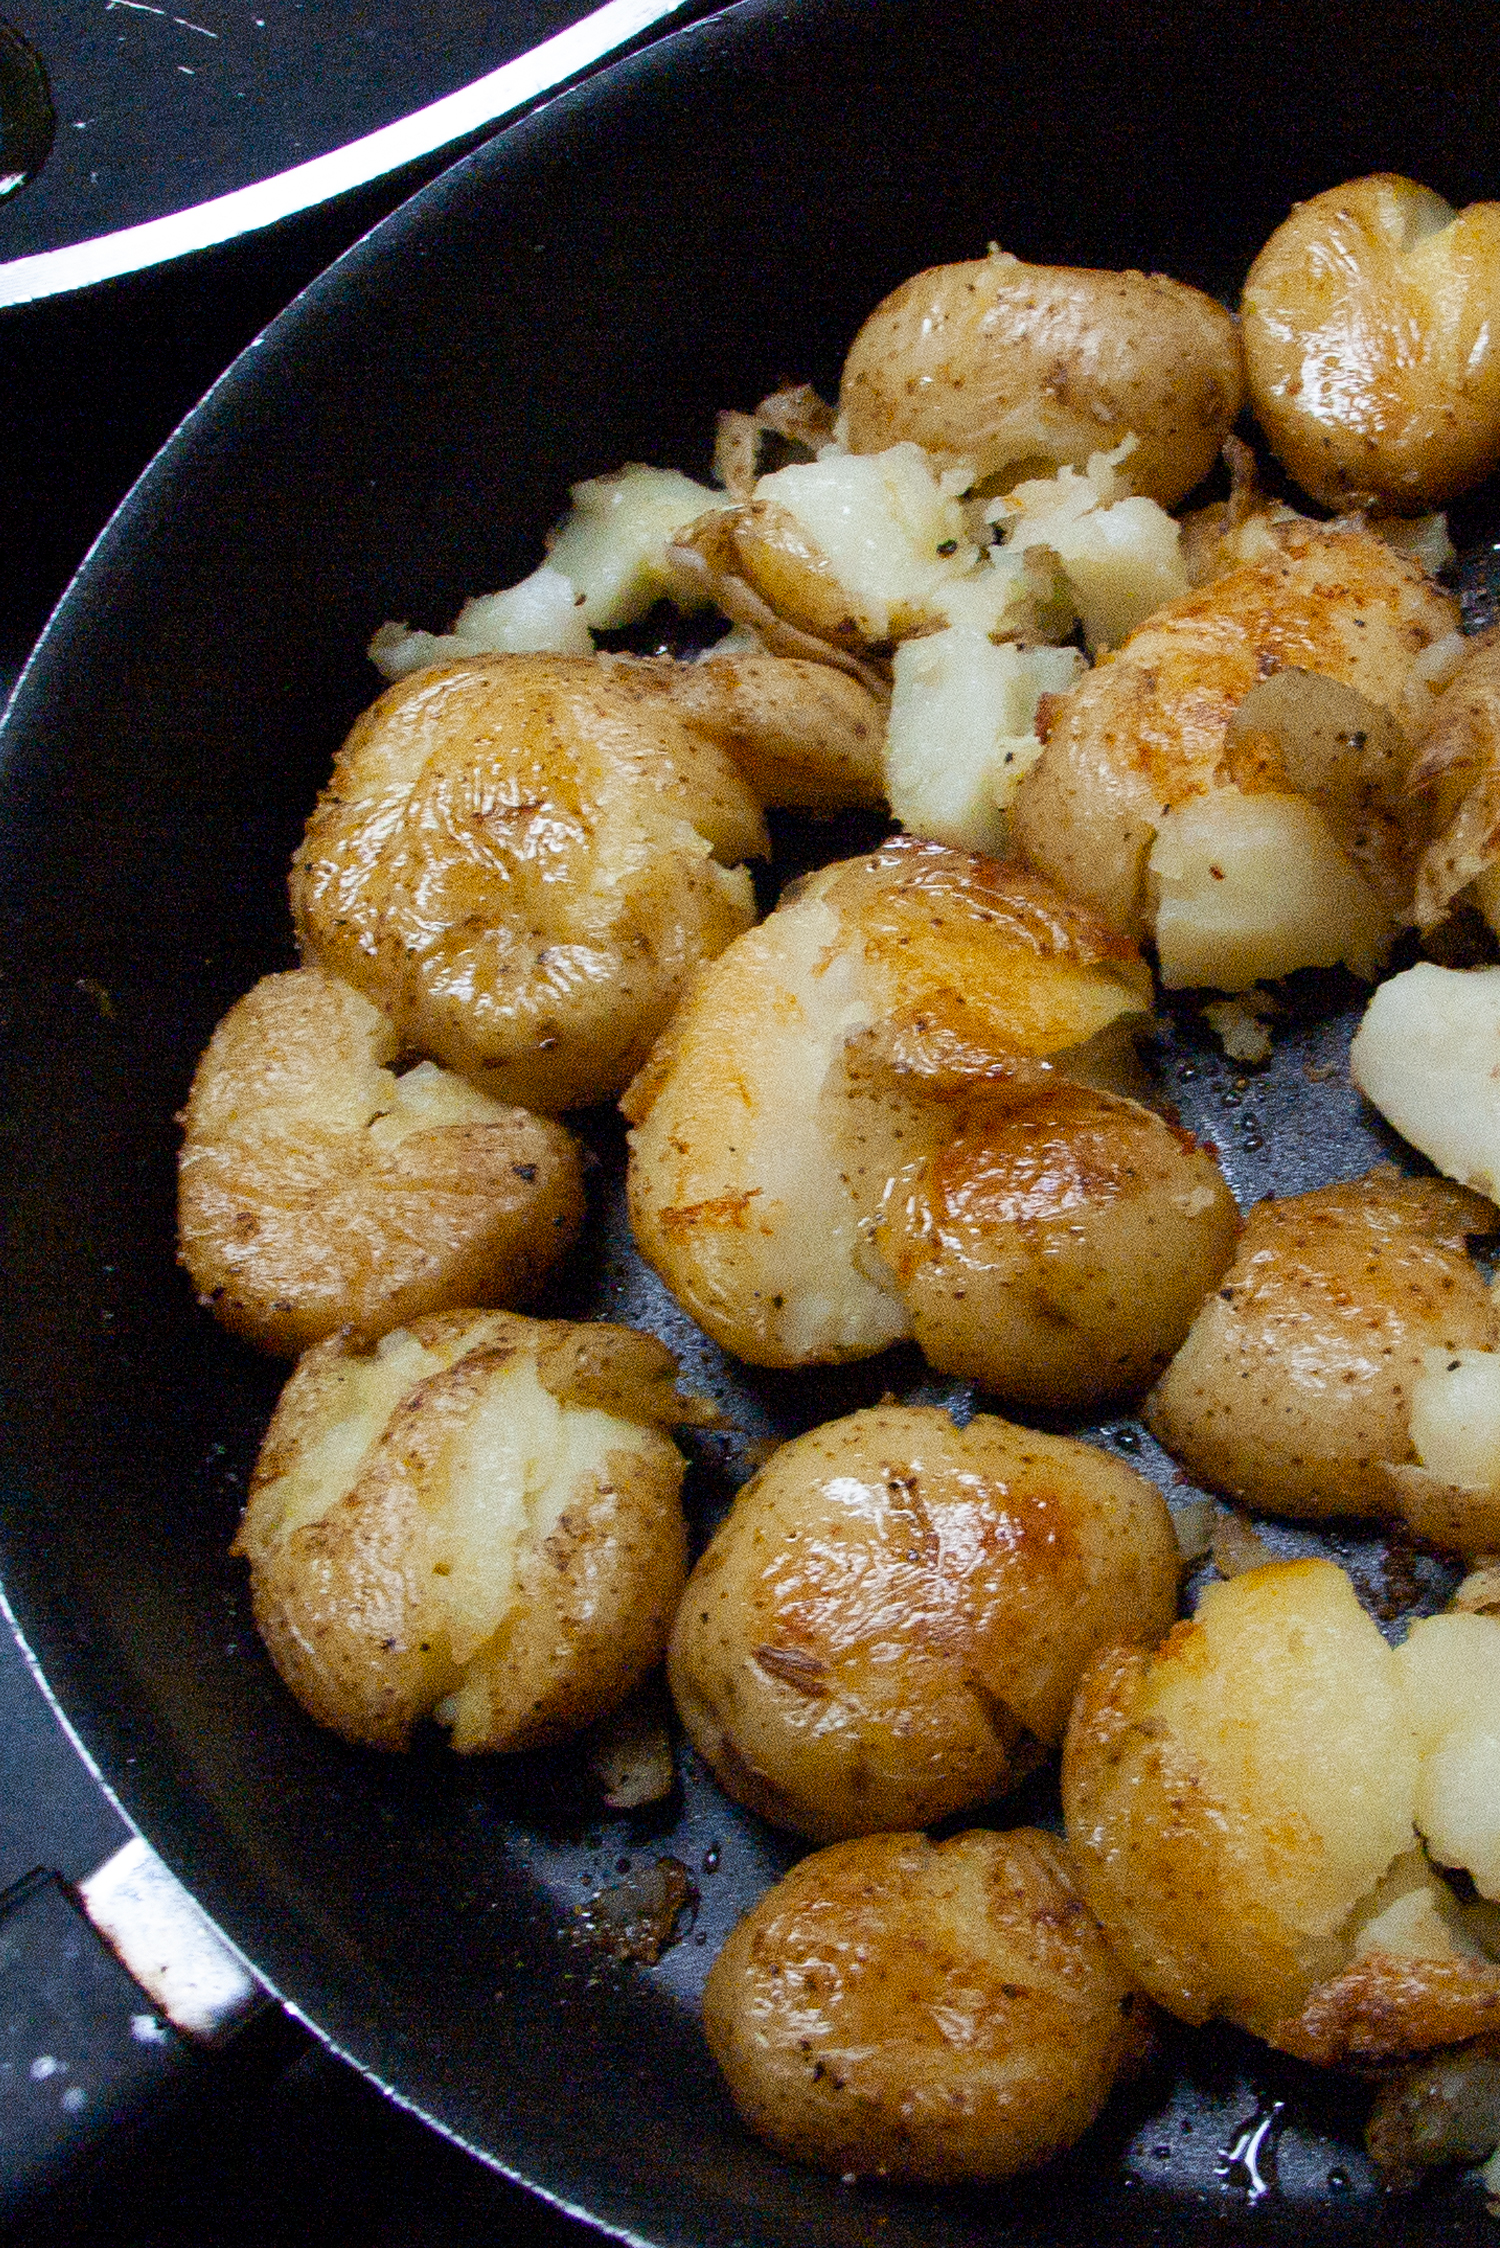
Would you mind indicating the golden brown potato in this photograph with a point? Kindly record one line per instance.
(1135, 761)
(801, 733)
(1057, 1252)
(1240, 1806)
(889, 1625)
(477, 1519)
(824, 1051)
(522, 863)
(899, 2008)
(318, 1190)
(1459, 773)
(1294, 1387)
(1373, 366)
(1020, 368)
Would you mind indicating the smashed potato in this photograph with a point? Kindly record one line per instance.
(889, 1625)
(522, 863)
(899, 2008)
(319, 1190)
(1057, 1252)
(1294, 1388)
(824, 1051)
(1137, 785)
(1368, 325)
(1459, 772)
(1021, 368)
(1426, 1054)
(478, 1520)
(1242, 1809)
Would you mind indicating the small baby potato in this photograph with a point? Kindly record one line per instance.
(478, 1519)
(1147, 734)
(1373, 364)
(522, 863)
(823, 1052)
(898, 2008)
(317, 1190)
(889, 1625)
(1057, 1252)
(1293, 1390)
(1240, 1807)
(1020, 369)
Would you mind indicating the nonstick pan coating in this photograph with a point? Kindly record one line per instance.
(680, 235)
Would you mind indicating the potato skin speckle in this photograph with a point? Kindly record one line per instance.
(899, 2008)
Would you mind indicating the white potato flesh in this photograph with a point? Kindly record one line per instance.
(1120, 553)
(899, 2008)
(540, 616)
(827, 1049)
(1427, 1053)
(612, 545)
(1450, 1669)
(318, 1189)
(1455, 1417)
(960, 734)
(478, 1519)
(1251, 887)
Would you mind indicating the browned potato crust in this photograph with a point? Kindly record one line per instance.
(1021, 368)
(1370, 347)
(896, 1611)
(801, 733)
(317, 1191)
(1057, 1252)
(1293, 1389)
(899, 2008)
(522, 863)
(1146, 732)
(478, 1517)
(1459, 773)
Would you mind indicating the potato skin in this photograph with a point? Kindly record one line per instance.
(1057, 1252)
(896, 1611)
(1293, 1388)
(353, 1597)
(900, 2008)
(317, 1193)
(1147, 730)
(1019, 366)
(522, 863)
(1373, 364)
(801, 733)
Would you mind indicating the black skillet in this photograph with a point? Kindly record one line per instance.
(691, 227)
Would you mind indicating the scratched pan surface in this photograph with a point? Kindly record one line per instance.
(686, 231)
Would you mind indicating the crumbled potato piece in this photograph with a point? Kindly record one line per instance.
(1057, 1252)
(1147, 734)
(540, 616)
(318, 1190)
(889, 1625)
(961, 732)
(1446, 2109)
(1293, 1390)
(478, 1519)
(614, 544)
(522, 863)
(1372, 364)
(1450, 1669)
(824, 1051)
(1455, 1417)
(1120, 553)
(1025, 368)
(1241, 1807)
(900, 2008)
(1427, 1053)
(1459, 771)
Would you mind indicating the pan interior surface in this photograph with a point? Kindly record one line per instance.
(682, 234)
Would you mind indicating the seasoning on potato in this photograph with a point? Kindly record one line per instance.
(898, 2008)
(1294, 1388)
(522, 864)
(1246, 1808)
(477, 1520)
(889, 1625)
(1370, 344)
(319, 1190)
(1021, 368)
